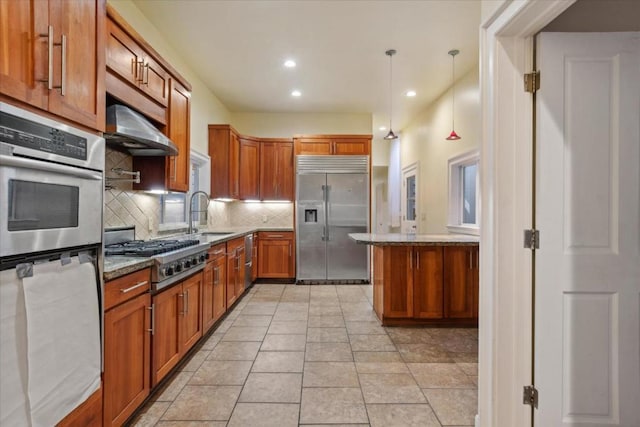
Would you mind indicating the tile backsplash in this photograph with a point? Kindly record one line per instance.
(124, 206)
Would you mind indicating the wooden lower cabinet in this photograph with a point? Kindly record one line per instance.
(177, 324)
(214, 302)
(276, 255)
(426, 284)
(461, 282)
(235, 270)
(127, 343)
(127, 346)
(88, 414)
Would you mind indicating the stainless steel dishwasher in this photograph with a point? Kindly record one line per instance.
(248, 259)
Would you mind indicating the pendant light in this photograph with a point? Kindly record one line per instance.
(453, 136)
(390, 54)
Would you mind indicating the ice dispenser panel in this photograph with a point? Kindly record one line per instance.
(311, 215)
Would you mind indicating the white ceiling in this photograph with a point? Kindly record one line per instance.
(238, 49)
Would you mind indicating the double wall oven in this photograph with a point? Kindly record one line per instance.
(51, 204)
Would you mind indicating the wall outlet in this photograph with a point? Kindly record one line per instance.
(150, 222)
(264, 218)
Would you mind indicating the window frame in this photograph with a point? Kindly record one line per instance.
(202, 164)
(456, 195)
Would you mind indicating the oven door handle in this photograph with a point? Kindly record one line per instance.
(24, 163)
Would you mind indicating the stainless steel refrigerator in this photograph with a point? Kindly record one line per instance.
(332, 200)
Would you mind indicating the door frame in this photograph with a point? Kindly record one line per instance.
(412, 169)
(506, 328)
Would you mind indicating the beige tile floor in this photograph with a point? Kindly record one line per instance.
(292, 355)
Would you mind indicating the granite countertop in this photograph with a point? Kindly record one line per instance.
(397, 239)
(116, 266)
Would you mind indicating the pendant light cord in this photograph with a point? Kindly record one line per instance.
(453, 91)
(390, 88)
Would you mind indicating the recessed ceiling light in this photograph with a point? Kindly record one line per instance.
(296, 93)
(411, 93)
(382, 128)
(290, 63)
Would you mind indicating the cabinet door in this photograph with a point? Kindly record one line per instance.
(219, 287)
(179, 166)
(459, 269)
(154, 81)
(219, 144)
(398, 281)
(285, 178)
(427, 282)
(124, 56)
(23, 51)
(207, 296)
(276, 255)
(79, 64)
(312, 146)
(351, 146)
(241, 271)
(127, 344)
(268, 170)
(234, 166)
(249, 169)
(192, 313)
(168, 310)
(254, 258)
(232, 271)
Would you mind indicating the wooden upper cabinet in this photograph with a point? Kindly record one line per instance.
(460, 282)
(154, 80)
(178, 167)
(224, 150)
(69, 83)
(332, 145)
(276, 170)
(124, 56)
(249, 169)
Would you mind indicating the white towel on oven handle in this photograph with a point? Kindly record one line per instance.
(14, 409)
(63, 338)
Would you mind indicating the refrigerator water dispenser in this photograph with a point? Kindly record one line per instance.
(311, 215)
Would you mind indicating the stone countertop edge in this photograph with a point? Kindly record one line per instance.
(397, 239)
(118, 266)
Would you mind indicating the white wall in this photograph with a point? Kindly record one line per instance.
(285, 125)
(205, 106)
(424, 139)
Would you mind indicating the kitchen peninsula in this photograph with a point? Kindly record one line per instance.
(428, 279)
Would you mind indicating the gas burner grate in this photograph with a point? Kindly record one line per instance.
(141, 248)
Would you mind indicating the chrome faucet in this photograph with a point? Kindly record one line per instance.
(191, 229)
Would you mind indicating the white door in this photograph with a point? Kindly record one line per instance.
(410, 199)
(587, 323)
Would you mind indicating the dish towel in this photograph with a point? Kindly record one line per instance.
(63, 338)
(14, 409)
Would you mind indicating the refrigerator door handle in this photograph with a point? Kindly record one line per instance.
(326, 189)
(324, 232)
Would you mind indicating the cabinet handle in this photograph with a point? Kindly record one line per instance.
(133, 66)
(182, 296)
(139, 71)
(173, 170)
(417, 260)
(271, 236)
(218, 252)
(49, 36)
(216, 276)
(136, 286)
(153, 319)
(63, 71)
(411, 259)
(186, 304)
(289, 249)
(470, 260)
(145, 76)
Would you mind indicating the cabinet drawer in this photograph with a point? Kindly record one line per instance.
(275, 235)
(126, 287)
(217, 251)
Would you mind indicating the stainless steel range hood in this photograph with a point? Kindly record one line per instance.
(129, 131)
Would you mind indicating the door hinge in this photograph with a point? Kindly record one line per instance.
(532, 82)
(530, 396)
(532, 239)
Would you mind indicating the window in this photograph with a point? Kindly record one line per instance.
(174, 206)
(464, 198)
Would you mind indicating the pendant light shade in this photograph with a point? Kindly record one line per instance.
(453, 136)
(390, 135)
